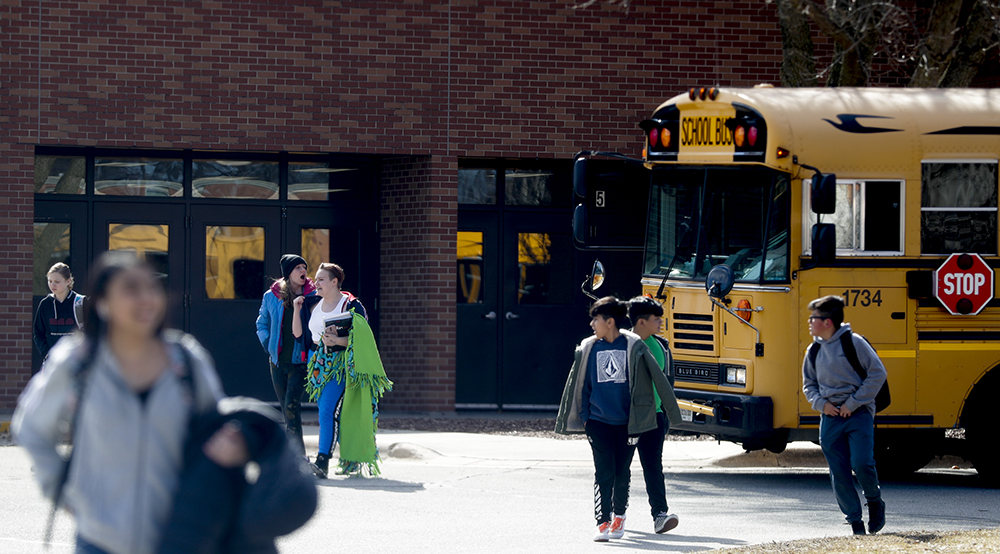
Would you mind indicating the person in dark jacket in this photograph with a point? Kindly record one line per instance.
(274, 330)
(60, 313)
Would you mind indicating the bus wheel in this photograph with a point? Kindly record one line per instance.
(900, 453)
(982, 441)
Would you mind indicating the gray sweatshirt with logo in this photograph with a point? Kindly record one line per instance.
(834, 380)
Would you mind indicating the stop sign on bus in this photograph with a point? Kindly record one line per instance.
(964, 284)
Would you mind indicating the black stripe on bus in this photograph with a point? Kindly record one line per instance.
(881, 420)
(958, 335)
(968, 130)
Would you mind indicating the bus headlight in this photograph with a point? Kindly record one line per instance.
(736, 375)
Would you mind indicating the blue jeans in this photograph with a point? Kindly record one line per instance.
(848, 444)
(329, 415)
(84, 547)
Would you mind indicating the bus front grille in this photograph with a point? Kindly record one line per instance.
(692, 332)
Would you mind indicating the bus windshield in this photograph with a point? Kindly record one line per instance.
(700, 217)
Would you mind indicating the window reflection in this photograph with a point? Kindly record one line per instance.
(523, 187)
(234, 262)
(325, 181)
(315, 247)
(235, 179)
(477, 186)
(138, 177)
(543, 260)
(148, 242)
(470, 267)
(60, 175)
(51, 247)
(958, 210)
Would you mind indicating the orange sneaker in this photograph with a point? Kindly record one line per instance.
(602, 532)
(617, 527)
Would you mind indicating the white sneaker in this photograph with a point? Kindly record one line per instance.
(664, 522)
(602, 532)
(617, 527)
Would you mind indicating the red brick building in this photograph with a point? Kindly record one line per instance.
(413, 93)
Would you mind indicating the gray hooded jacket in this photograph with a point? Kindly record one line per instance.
(128, 453)
(834, 380)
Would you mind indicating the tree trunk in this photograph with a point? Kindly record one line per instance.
(978, 37)
(941, 42)
(798, 68)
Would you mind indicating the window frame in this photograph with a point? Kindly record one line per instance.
(808, 214)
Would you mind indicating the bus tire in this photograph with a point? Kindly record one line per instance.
(899, 453)
(981, 433)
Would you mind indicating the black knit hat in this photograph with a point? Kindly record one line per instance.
(288, 263)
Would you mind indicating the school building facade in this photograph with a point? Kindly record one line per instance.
(425, 146)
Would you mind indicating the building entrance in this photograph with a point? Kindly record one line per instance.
(215, 239)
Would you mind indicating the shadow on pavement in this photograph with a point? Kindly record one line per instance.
(376, 484)
(638, 540)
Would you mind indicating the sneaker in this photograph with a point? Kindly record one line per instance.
(664, 522)
(858, 527)
(603, 532)
(321, 467)
(876, 515)
(617, 527)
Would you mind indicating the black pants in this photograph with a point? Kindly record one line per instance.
(612, 457)
(289, 381)
(651, 457)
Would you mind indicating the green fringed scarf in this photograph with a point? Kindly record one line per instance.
(361, 365)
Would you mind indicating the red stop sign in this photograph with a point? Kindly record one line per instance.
(964, 284)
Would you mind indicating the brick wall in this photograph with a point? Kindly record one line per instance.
(418, 224)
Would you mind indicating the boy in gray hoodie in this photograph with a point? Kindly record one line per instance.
(847, 427)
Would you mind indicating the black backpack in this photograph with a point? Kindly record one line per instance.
(882, 399)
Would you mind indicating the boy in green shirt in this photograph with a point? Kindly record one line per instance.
(647, 319)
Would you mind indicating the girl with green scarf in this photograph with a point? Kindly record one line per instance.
(344, 375)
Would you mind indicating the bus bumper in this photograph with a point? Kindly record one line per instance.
(738, 418)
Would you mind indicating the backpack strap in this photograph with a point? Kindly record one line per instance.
(847, 343)
(812, 352)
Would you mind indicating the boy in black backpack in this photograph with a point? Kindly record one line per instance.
(847, 401)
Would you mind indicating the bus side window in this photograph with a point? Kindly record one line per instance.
(958, 207)
(868, 218)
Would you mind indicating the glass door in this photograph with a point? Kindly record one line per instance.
(540, 313)
(154, 232)
(477, 379)
(234, 259)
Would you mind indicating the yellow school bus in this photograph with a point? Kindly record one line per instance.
(910, 176)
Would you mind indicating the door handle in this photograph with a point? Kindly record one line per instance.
(511, 315)
(490, 316)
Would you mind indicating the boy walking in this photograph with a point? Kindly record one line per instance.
(647, 320)
(847, 403)
(609, 396)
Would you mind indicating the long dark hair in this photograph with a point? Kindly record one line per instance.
(106, 267)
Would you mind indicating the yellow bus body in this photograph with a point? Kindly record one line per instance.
(934, 359)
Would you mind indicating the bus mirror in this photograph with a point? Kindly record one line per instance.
(823, 194)
(580, 225)
(720, 281)
(595, 280)
(580, 177)
(824, 243)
